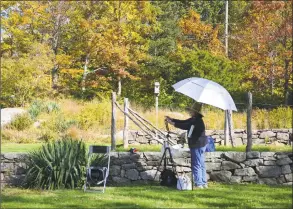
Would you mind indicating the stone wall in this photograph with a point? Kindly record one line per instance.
(229, 167)
(267, 136)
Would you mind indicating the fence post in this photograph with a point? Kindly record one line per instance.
(113, 122)
(228, 128)
(125, 130)
(249, 130)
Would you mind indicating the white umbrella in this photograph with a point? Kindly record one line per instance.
(206, 91)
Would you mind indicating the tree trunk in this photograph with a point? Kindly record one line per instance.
(286, 84)
(55, 76)
(85, 72)
(119, 87)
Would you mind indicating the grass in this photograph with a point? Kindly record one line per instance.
(153, 196)
(15, 147)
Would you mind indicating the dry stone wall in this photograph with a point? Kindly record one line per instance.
(266, 136)
(229, 167)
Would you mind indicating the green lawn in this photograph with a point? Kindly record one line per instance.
(153, 196)
(15, 147)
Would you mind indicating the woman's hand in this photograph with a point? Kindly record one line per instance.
(169, 120)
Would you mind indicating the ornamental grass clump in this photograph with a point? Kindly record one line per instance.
(57, 165)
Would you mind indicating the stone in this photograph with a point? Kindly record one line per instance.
(7, 167)
(258, 141)
(140, 163)
(150, 175)
(254, 162)
(133, 143)
(14, 180)
(269, 181)
(213, 166)
(135, 157)
(267, 134)
(20, 170)
(186, 169)
(288, 183)
(269, 171)
(120, 180)
(216, 160)
(14, 156)
(250, 178)
(121, 161)
(221, 176)
(283, 136)
(213, 155)
(252, 155)
(129, 166)
(207, 176)
(122, 173)
(269, 162)
(288, 177)
(284, 161)
(244, 172)
(281, 179)
(182, 161)
(181, 154)
(238, 141)
(285, 169)
(142, 140)
(227, 165)
(8, 114)
(115, 170)
(153, 163)
(144, 168)
(124, 155)
(242, 165)
(152, 156)
(114, 155)
(268, 155)
(237, 157)
(132, 174)
(236, 179)
(154, 142)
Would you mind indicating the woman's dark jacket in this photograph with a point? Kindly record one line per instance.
(199, 128)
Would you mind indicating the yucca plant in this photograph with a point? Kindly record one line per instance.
(56, 165)
(52, 107)
(36, 108)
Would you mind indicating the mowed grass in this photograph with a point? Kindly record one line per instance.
(153, 196)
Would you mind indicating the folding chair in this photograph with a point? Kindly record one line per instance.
(97, 171)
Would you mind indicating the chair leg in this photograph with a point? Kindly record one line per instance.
(105, 179)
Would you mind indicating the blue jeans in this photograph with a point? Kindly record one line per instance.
(198, 165)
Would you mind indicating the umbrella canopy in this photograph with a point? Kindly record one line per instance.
(206, 91)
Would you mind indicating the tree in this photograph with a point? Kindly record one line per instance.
(265, 43)
(27, 77)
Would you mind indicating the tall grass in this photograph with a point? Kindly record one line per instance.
(91, 121)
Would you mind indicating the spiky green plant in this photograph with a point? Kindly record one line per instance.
(52, 107)
(36, 108)
(56, 165)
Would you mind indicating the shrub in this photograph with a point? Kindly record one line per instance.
(48, 135)
(56, 165)
(52, 107)
(97, 112)
(21, 122)
(58, 123)
(35, 109)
